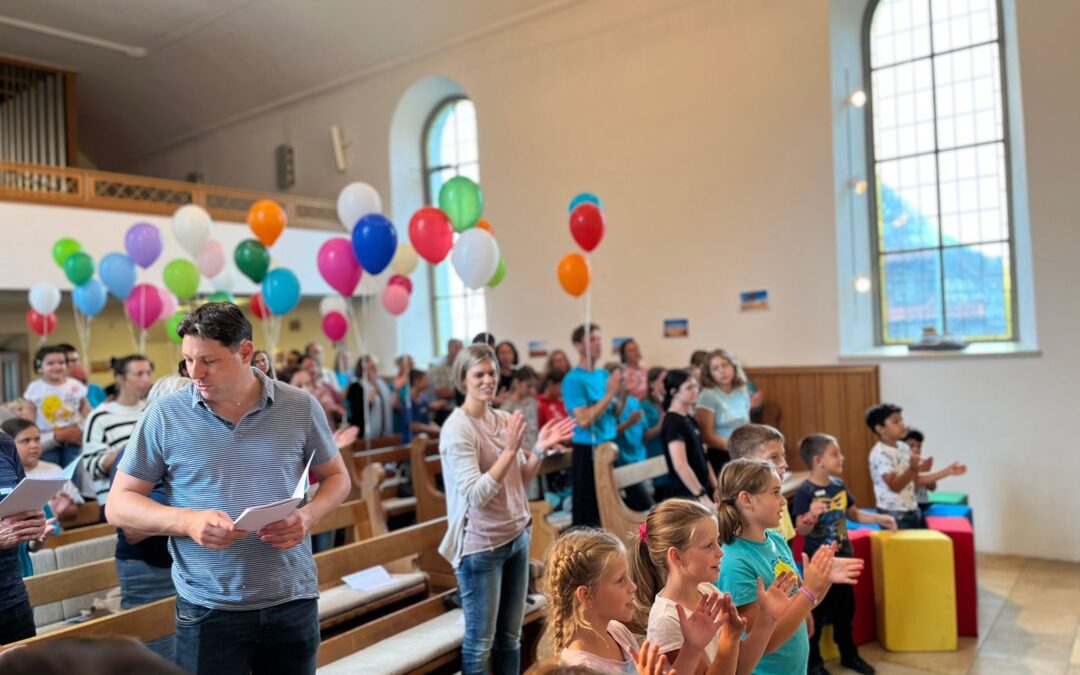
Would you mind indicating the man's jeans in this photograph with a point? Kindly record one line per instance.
(141, 584)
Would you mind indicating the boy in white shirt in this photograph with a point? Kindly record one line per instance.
(60, 406)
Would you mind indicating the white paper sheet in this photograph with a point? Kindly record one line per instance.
(369, 579)
(31, 494)
(254, 518)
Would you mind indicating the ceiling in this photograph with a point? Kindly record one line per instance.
(211, 60)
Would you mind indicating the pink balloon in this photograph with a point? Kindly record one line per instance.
(143, 305)
(403, 281)
(335, 325)
(169, 304)
(210, 259)
(338, 265)
(395, 299)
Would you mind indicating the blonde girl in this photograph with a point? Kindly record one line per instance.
(675, 563)
(591, 599)
(750, 504)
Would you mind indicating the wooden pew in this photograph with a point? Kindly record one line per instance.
(79, 534)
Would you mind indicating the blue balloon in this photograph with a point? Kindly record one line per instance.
(90, 297)
(281, 291)
(117, 272)
(374, 240)
(583, 198)
(95, 395)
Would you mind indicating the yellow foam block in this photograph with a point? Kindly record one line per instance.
(915, 591)
(829, 650)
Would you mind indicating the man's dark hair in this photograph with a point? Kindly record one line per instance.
(119, 364)
(813, 446)
(415, 375)
(579, 333)
(15, 426)
(39, 357)
(554, 377)
(220, 321)
(914, 434)
(87, 657)
(876, 415)
(67, 347)
(484, 339)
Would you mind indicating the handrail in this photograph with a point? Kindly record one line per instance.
(64, 186)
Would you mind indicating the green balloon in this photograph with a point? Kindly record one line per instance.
(182, 278)
(172, 325)
(500, 273)
(253, 259)
(462, 200)
(63, 248)
(79, 268)
(222, 296)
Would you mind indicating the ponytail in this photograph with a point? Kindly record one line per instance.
(738, 476)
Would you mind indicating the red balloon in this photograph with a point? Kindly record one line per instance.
(399, 280)
(431, 234)
(335, 325)
(587, 225)
(258, 306)
(41, 324)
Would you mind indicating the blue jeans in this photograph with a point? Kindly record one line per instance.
(141, 584)
(279, 639)
(493, 585)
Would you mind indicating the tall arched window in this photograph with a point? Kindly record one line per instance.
(450, 149)
(941, 214)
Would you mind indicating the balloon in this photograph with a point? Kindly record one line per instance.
(182, 278)
(585, 198)
(475, 257)
(485, 225)
(463, 201)
(210, 259)
(223, 281)
(404, 282)
(375, 241)
(500, 274)
(222, 296)
(143, 305)
(90, 297)
(395, 299)
(172, 325)
(118, 274)
(355, 201)
(191, 227)
(44, 298)
(333, 303)
(79, 268)
(253, 259)
(258, 306)
(63, 248)
(587, 225)
(143, 243)
(169, 304)
(335, 325)
(405, 260)
(281, 291)
(338, 265)
(42, 324)
(574, 274)
(267, 220)
(431, 234)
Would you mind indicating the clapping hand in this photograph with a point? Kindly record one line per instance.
(555, 433)
(956, 469)
(846, 570)
(649, 660)
(343, 438)
(774, 601)
(515, 430)
(731, 623)
(700, 627)
(816, 571)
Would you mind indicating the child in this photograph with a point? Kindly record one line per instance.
(523, 397)
(914, 438)
(420, 420)
(749, 509)
(60, 406)
(591, 597)
(631, 440)
(822, 507)
(549, 402)
(653, 410)
(28, 442)
(896, 469)
(675, 563)
(760, 441)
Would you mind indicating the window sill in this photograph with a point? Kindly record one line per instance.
(976, 350)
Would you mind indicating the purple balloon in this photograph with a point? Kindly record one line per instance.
(143, 244)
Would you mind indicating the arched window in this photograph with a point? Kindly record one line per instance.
(940, 208)
(450, 149)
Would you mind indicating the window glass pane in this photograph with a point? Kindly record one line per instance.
(978, 292)
(969, 103)
(907, 204)
(899, 31)
(903, 108)
(974, 200)
(959, 23)
(433, 143)
(911, 294)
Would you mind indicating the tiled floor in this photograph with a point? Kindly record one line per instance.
(1029, 622)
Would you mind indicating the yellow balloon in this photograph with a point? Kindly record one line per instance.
(405, 259)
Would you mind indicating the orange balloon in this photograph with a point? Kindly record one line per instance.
(485, 225)
(574, 274)
(267, 220)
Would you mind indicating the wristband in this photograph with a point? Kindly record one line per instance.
(805, 591)
(538, 451)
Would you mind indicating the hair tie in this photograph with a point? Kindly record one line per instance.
(643, 533)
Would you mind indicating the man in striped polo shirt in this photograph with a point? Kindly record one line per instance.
(246, 601)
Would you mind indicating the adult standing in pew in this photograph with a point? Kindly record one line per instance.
(485, 470)
(246, 601)
(16, 615)
(369, 400)
(590, 395)
(442, 381)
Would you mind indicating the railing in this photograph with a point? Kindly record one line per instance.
(60, 186)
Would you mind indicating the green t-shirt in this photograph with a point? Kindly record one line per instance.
(744, 562)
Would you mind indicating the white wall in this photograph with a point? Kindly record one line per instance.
(706, 127)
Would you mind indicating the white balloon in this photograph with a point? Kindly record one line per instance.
(44, 297)
(369, 285)
(333, 303)
(355, 201)
(475, 257)
(223, 281)
(191, 227)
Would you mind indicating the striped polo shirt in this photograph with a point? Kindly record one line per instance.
(206, 462)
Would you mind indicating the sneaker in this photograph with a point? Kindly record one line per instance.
(857, 664)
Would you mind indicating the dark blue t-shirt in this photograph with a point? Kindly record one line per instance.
(12, 590)
(832, 525)
(153, 551)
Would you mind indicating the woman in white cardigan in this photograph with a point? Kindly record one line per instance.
(485, 471)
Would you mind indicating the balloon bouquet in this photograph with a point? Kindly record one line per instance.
(279, 288)
(587, 227)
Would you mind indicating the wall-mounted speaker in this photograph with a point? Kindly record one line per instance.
(286, 166)
(337, 139)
